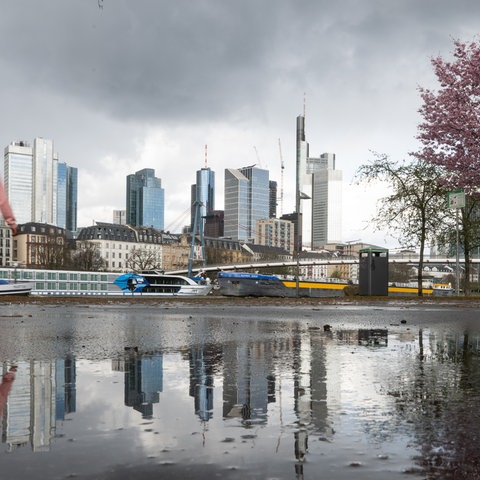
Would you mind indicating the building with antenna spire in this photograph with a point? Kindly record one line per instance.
(318, 196)
(203, 191)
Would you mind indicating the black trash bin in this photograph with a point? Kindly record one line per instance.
(373, 274)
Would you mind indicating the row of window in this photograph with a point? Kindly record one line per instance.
(42, 239)
(53, 275)
(96, 287)
(119, 246)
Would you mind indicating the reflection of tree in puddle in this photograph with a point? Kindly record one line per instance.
(439, 394)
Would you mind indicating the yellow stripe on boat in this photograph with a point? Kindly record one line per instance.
(324, 285)
(409, 290)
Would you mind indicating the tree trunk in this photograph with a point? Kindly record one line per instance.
(420, 265)
(466, 279)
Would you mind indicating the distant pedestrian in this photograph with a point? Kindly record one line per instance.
(7, 211)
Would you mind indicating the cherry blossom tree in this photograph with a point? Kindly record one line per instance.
(450, 134)
(450, 130)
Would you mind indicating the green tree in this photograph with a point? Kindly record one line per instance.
(416, 205)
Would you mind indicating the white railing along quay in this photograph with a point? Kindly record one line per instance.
(321, 261)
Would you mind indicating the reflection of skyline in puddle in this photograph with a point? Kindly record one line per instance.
(299, 387)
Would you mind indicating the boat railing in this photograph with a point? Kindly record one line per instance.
(310, 279)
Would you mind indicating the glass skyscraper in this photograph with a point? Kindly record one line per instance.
(62, 195)
(67, 197)
(327, 201)
(18, 179)
(204, 192)
(45, 165)
(246, 201)
(145, 200)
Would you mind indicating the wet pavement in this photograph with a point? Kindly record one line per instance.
(239, 390)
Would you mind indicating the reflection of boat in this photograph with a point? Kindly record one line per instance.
(15, 288)
(243, 284)
(442, 289)
(154, 283)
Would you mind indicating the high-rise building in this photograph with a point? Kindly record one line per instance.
(67, 192)
(319, 221)
(145, 200)
(272, 212)
(246, 201)
(39, 188)
(326, 202)
(203, 192)
(302, 199)
(62, 195)
(45, 171)
(18, 179)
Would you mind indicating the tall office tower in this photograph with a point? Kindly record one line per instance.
(67, 192)
(327, 202)
(204, 192)
(272, 206)
(45, 171)
(246, 201)
(32, 183)
(62, 195)
(18, 179)
(72, 198)
(145, 200)
(303, 202)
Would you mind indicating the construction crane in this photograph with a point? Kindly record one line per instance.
(281, 177)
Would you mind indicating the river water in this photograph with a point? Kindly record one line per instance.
(240, 390)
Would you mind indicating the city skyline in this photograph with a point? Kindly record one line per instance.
(26, 166)
(128, 99)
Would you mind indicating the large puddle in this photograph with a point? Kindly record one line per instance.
(119, 393)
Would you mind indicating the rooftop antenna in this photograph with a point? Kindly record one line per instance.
(258, 156)
(304, 104)
(205, 155)
(281, 176)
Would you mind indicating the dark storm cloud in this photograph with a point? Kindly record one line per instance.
(154, 59)
(147, 59)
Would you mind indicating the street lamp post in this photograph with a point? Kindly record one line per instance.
(456, 200)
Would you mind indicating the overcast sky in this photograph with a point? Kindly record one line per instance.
(147, 83)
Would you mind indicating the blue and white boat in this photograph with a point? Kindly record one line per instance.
(154, 283)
